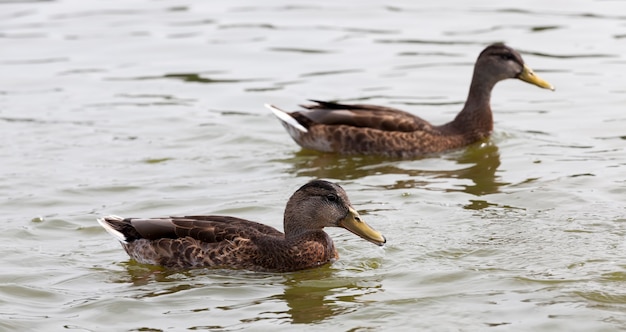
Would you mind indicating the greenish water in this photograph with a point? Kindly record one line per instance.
(150, 108)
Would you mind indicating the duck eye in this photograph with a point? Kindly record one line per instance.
(332, 197)
(506, 56)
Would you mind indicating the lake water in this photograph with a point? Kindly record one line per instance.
(150, 108)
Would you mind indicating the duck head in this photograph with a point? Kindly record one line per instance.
(320, 204)
(498, 62)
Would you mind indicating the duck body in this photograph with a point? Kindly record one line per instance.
(376, 130)
(379, 130)
(230, 242)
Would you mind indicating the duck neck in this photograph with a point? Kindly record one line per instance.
(476, 118)
(292, 224)
(290, 232)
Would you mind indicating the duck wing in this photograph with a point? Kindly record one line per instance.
(208, 229)
(220, 228)
(363, 115)
(193, 241)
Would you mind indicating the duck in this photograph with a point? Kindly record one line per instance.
(384, 131)
(213, 241)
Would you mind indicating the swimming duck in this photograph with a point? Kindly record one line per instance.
(385, 131)
(229, 242)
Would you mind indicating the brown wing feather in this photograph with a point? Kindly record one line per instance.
(362, 115)
(210, 229)
(201, 241)
(153, 228)
(233, 221)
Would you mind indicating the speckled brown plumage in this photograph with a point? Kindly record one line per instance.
(229, 242)
(378, 130)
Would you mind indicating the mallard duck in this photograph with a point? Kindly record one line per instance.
(229, 242)
(385, 131)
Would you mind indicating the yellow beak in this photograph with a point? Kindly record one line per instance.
(528, 75)
(354, 224)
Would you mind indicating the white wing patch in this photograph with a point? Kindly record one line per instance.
(286, 118)
(117, 234)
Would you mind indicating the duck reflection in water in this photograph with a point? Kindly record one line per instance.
(479, 163)
(311, 296)
(316, 295)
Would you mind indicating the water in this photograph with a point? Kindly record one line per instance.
(149, 108)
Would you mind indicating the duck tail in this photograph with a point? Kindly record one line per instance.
(115, 226)
(286, 118)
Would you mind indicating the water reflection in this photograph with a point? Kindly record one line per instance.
(315, 295)
(480, 163)
(203, 78)
(143, 274)
(311, 296)
(485, 160)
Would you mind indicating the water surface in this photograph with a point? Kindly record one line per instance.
(149, 108)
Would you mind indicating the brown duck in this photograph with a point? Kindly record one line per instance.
(229, 242)
(385, 131)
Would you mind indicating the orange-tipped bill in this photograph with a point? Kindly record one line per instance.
(354, 224)
(528, 75)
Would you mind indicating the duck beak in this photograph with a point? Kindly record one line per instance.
(354, 224)
(528, 75)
